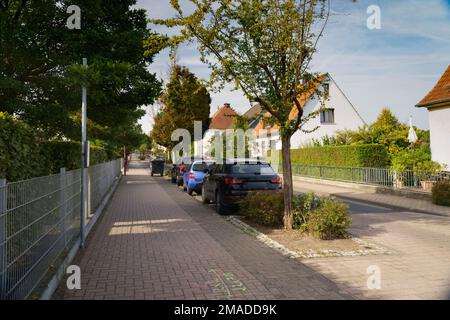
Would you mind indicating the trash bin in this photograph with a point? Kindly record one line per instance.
(157, 166)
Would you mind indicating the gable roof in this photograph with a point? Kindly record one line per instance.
(303, 99)
(253, 111)
(223, 118)
(440, 94)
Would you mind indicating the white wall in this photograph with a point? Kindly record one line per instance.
(345, 117)
(440, 135)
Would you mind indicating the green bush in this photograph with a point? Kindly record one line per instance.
(441, 193)
(19, 152)
(263, 207)
(330, 220)
(303, 204)
(361, 155)
(67, 154)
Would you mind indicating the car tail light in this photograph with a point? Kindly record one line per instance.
(182, 168)
(276, 180)
(232, 181)
(191, 175)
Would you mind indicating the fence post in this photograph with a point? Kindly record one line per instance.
(3, 257)
(62, 202)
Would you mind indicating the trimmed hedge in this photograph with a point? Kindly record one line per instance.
(22, 156)
(362, 155)
(19, 152)
(441, 193)
(67, 154)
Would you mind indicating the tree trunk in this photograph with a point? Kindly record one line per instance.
(287, 181)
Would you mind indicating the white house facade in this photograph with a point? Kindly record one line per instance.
(437, 101)
(340, 114)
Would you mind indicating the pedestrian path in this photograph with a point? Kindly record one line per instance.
(155, 242)
(396, 201)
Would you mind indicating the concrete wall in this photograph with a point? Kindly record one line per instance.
(440, 135)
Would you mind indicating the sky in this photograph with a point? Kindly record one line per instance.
(394, 66)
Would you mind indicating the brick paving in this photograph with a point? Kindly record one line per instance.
(155, 242)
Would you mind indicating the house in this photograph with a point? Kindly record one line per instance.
(340, 114)
(437, 102)
(224, 118)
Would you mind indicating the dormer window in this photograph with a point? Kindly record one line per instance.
(327, 116)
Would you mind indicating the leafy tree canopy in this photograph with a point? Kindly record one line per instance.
(184, 101)
(41, 73)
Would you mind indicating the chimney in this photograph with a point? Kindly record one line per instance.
(226, 105)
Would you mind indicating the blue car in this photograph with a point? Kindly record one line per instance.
(194, 175)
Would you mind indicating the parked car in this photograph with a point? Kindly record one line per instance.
(225, 184)
(194, 175)
(179, 168)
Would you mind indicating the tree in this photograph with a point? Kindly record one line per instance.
(184, 101)
(41, 72)
(265, 47)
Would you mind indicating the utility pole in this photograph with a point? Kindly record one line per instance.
(83, 159)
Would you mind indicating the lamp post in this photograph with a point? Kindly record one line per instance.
(83, 159)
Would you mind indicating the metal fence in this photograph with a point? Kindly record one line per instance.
(40, 222)
(372, 176)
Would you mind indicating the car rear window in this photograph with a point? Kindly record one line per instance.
(250, 168)
(200, 166)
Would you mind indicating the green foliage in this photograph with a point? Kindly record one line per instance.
(19, 152)
(441, 193)
(67, 154)
(330, 220)
(185, 100)
(417, 159)
(263, 207)
(325, 218)
(303, 204)
(42, 76)
(370, 155)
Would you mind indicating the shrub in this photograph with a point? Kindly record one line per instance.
(441, 193)
(330, 220)
(67, 154)
(362, 155)
(19, 152)
(302, 205)
(263, 207)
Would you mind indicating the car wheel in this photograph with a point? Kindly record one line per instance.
(184, 188)
(189, 191)
(179, 183)
(219, 205)
(151, 173)
(205, 200)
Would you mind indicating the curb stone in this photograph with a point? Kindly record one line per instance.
(369, 248)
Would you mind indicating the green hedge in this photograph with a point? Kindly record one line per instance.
(67, 154)
(364, 155)
(23, 156)
(19, 152)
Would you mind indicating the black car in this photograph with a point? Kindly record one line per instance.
(225, 184)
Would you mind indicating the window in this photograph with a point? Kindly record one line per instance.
(326, 90)
(327, 116)
(248, 168)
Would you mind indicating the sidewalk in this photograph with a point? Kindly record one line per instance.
(155, 242)
(394, 201)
